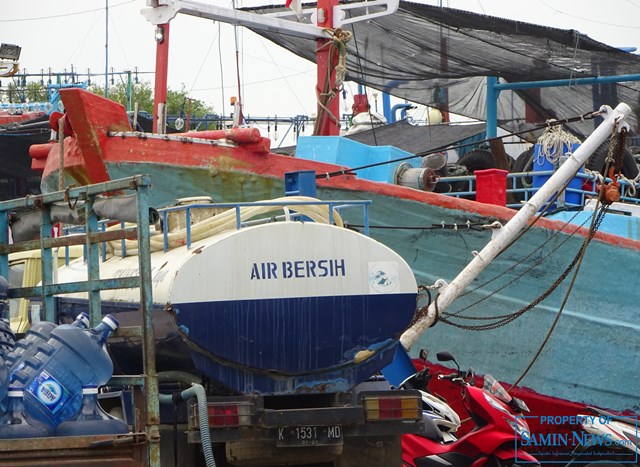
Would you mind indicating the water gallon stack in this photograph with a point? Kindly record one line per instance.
(50, 382)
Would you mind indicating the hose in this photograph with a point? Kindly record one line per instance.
(226, 221)
(196, 390)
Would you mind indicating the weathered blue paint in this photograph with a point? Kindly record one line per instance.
(617, 224)
(324, 335)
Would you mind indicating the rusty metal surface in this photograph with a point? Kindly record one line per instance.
(101, 450)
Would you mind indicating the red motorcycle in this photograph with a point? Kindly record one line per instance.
(493, 440)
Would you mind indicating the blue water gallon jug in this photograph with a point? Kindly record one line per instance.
(92, 420)
(71, 359)
(37, 334)
(16, 423)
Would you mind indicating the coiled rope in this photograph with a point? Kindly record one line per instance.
(551, 142)
(339, 39)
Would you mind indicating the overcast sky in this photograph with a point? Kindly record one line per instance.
(64, 33)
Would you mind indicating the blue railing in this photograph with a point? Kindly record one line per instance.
(519, 185)
(338, 206)
(164, 213)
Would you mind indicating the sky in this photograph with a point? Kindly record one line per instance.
(61, 34)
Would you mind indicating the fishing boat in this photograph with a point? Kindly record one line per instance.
(518, 295)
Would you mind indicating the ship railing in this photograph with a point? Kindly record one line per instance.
(335, 206)
(190, 215)
(520, 188)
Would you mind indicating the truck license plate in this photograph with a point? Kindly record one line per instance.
(309, 436)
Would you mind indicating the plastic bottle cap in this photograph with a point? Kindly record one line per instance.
(111, 321)
(90, 390)
(15, 393)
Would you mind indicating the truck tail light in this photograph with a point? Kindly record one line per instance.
(392, 407)
(226, 414)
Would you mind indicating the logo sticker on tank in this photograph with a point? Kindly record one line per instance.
(383, 276)
(48, 391)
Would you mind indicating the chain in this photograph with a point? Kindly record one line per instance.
(526, 271)
(615, 154)
(506, 319)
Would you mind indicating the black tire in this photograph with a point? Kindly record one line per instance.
(477, 159)
(456, 170)
(523, 163)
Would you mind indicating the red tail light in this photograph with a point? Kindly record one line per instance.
(225, 414)
(396, 407)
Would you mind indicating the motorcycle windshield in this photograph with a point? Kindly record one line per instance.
(494, 388)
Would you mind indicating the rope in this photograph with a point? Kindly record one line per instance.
(339, 39)
(596, 219)
(476, 226)
(551, 143)
(503, 320)
(458, 314)
(598, 214)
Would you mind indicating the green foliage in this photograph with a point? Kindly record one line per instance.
(142, 93)
(178, 103)
(30, 92)
(36, 92)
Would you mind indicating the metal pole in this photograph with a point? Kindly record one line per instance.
(129, 91)
(162, 67)
(567, 82)
(46, 262)
(492, 107)
(106, 49)
(325, 73)
(93, 262)
(494, 88)
(149, 349)
(4, 239)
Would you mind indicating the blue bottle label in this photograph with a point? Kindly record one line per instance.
(49, 392)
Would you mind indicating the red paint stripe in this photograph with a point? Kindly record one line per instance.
(239, 159)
